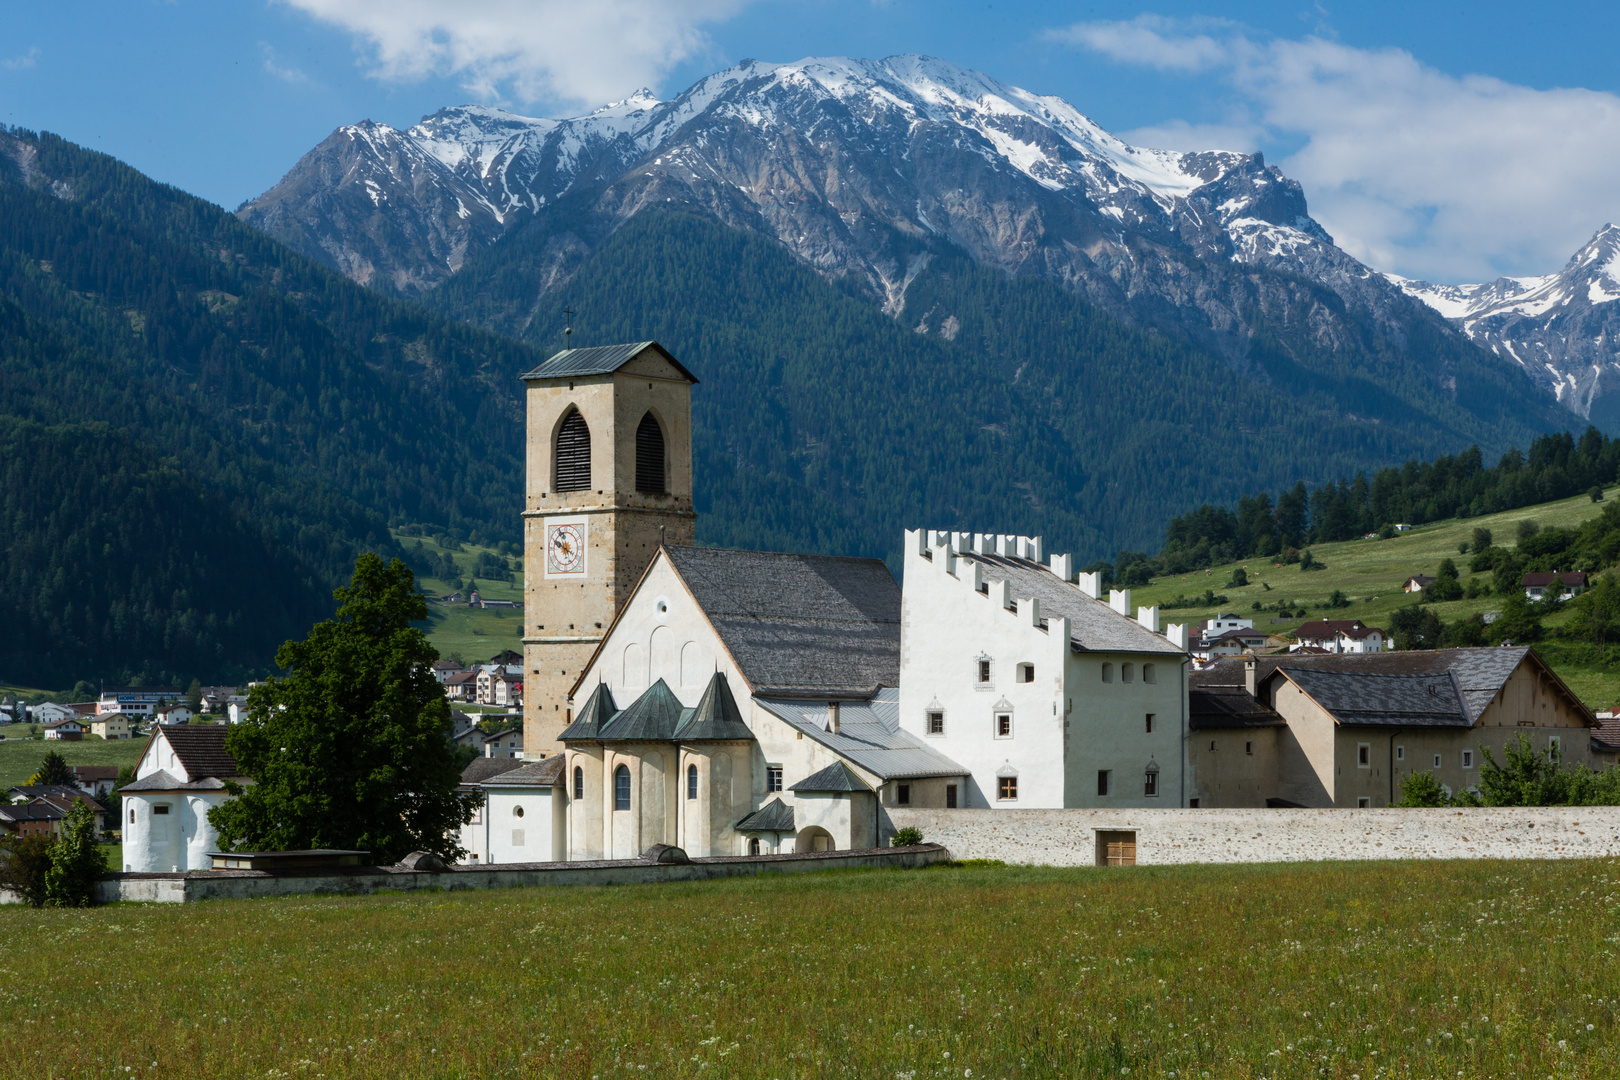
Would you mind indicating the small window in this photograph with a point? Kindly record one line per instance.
(1103, 778)
(1026, 673)
(1555, 746)
(579, 782)
(1363, 756)
(1437, 761)
(753, 845)
(1150, 785)
(1468, 759)
(572, 457)
(936, 722)
(1150, 723)
(1212, 744)
(1363, 802)
(650, 456)
(1108, 673)
(1006, 788)
(902, 795)
(950, 796)
(132, 815)
(1003, 725)
(1192, 804)
(621, 788)
(691, 781)
(1150, 674)
(160, 808)
(773, 778)
(1127, 673)
(984, 672)
(517, 811)
(1400, 753)
(1248, 748)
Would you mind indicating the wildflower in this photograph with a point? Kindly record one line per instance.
(1591, 1027)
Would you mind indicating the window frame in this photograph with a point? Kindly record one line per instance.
(1026, 673)
(646, 466)
(623, 788)
(999, 720)
(691, 780)
(1006, 789)
(576, 460)
(982, 672)
(1105, 783)
(1400, 752)
(950, 796)
(902, 794)
(1438, 758)
(1150, 784)
(1467, 759)
(773, 779)
(1555, 749)
(1363, 802)
(1363, 755)
(1150, 718)
(930, 718)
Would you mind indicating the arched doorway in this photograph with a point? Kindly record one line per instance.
(814, 838)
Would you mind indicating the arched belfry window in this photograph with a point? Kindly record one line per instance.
(650, 456)
(573, 456)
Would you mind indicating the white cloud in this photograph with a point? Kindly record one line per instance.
(19, 63)
(1411, 169)
(575, 51)
(281, 71)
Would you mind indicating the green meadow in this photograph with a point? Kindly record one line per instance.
(473, 634)
(1346, 971)
(20, 758)
(1370, 574)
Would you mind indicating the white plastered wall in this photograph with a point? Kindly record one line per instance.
(536, 836)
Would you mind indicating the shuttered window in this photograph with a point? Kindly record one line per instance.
(649, 457)
(573, 454)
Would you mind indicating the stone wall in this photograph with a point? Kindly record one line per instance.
(1068, 837)
(243, 884)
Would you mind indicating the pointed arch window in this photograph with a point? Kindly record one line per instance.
(650, 456)
(621, 788)
(691, 781)
(579, 782)
(573, 454)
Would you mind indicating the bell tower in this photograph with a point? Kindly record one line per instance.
(609, 477)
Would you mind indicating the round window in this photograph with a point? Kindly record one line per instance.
(517, 811)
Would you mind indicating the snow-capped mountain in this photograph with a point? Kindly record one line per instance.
(867, 169)
(1563, 328)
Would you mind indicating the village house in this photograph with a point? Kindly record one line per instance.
(1556, 585)
(95, 780)
(524, 818)
(70, 730)
(504, 744)
(137, 700)
(181, 776)
(175, 714)
(113, 725)
(462, 686)
(1416, 583)
(1346, 730)
(1228, 643)
(41, 808)
(1018, 669)
(443, 669)
(474, 838)
(1340, 636)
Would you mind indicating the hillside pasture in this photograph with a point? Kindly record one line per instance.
(20, 758)
(1345, 971)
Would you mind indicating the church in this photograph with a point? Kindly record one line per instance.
(745, 702)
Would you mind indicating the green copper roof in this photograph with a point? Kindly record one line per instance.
(835, 777)
(599, 360)
(716, 716)
(593, 716)
(654, 716)
(774, 816)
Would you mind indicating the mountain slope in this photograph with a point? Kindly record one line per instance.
(1563, 329)
(305, 411)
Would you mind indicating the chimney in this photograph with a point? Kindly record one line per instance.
(832, 717)
(1120, 601)
(1249, 674)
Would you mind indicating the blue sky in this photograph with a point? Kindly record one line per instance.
(1449, 141)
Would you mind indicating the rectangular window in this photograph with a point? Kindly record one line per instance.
(773, 778)
(1554, 746)
(1400, 753)
(1363, 802)
(1150, 723)
(984, 671)
(1026, 673)
(1103, 776)
(1437, 761)
(1003, 725)
(161, 808)
(691, 781)
(1006, 788)
(1363, 756)
(1212, 744)
(936, 723)
(1192, 804)
(1248, 748)
(902, 795)
(1150, 786)
(950, 796)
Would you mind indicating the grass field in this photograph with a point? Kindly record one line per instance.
(1346, 971)
(1370, 572)
(473, 634)
(20, 758)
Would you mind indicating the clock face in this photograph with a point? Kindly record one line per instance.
(565, 549)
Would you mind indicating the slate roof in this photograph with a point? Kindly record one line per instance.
(34, 811)
(1093, 625)
(1606, 736)
(1326, 629)
(1362, 697)
(869, 734)
(593, 716)
(599, 360)
(1479, 673)
(655, 716)
(546, 773)
(1567, 577)
(166, 781)
(91, 773)
(37, 791)
(716, 715)
(1228, 707)
(483, 768)
(811, 624)
(774, 816)
(835, 777)
(201, 749)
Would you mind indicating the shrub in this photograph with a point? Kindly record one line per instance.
(1595, 493)
(1240, 578)
(1481, 539)
(1422, 789)
(76, 861)
(1307, 561)
(24, 862)
(1528, 528)
(910, 836)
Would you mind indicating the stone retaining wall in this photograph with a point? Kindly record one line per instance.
(223, 884)
(1069, 837)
